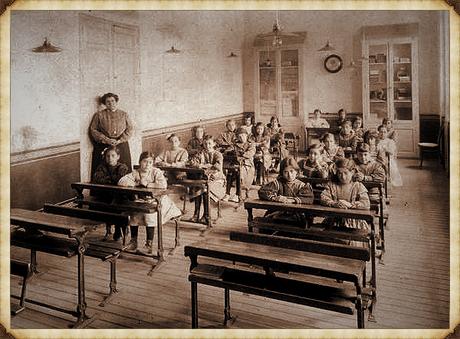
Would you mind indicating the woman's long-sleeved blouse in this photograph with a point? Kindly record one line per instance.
(107, 125)
(300, 191)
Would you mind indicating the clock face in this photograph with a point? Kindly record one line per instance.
(333, 63)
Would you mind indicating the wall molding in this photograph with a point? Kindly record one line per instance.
(20, 158)
(188, 126)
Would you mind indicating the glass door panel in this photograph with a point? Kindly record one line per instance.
(402, 82)
(289, 83)
(267, 85)
(378, 94)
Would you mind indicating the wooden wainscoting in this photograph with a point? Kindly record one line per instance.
(44, 175)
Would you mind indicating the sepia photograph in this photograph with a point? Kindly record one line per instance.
(191, 169)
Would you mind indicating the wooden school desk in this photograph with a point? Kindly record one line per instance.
(33, 222)
(279, 268)
(316, 211)
(187, 182)
(122, 205)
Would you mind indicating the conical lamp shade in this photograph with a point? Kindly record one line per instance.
(173, 50)
(327, 48)
(47, 47)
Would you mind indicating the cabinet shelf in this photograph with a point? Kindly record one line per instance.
(402, 100)
(377, 101)
(402, 82)
(407, 62)
(266, 67)
(377, 63)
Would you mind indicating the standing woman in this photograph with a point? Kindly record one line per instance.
(110, 127)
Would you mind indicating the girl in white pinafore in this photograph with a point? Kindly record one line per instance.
(388, 146)
(151, 177)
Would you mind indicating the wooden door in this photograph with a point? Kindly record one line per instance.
(108, 63)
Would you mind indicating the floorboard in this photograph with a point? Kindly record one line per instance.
(413, 284)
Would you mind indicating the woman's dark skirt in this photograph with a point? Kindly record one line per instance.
(97, 158)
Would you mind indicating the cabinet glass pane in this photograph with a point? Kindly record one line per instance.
(267, 76)
(402, 81)
(290, 91)
(378, 95)
(290, 83)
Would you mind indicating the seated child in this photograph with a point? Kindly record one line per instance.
(371, 137)
(390, 129)
(358, 129)
(245, 152)
(343, 192)
(331, 151)
(367, 169)
(148, 176)
(347, 138)
(388, 146)
(317, 121)
(314, 166)
(342, 113)
(226, 140)
(287, 189)
(211, 161)
(277, 141)
(195, 145)
(248, 125)
(176, 156)
(108, 173)
(262, 158)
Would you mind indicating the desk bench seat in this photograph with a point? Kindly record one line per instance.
(312, 273)
(67, 248)
(338, 299)
(333, 234)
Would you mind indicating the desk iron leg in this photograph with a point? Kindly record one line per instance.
(194, 304)
(33, 262)
(113, 282)
(227, 312)
(160, 256)
(360, 311)
(81, 307)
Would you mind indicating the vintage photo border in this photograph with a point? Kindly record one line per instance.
(453, 6)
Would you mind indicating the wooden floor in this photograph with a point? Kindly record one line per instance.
(413, 284)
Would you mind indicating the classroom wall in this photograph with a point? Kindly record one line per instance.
(199, 83)
(328, 91)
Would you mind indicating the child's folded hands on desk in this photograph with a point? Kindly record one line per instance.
(285, 200)
(344, 204)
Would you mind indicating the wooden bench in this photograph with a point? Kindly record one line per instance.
(68, 239)
(105, 251)
(67, 248)
(122, 205)
(23, 270)
(332, 234)
(311, 273)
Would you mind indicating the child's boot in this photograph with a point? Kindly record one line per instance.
(132, 246)
(204, 219)
(149, 242)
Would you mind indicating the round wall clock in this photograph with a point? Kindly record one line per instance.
(333, 63)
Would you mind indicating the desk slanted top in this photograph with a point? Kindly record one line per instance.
(60, 224)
